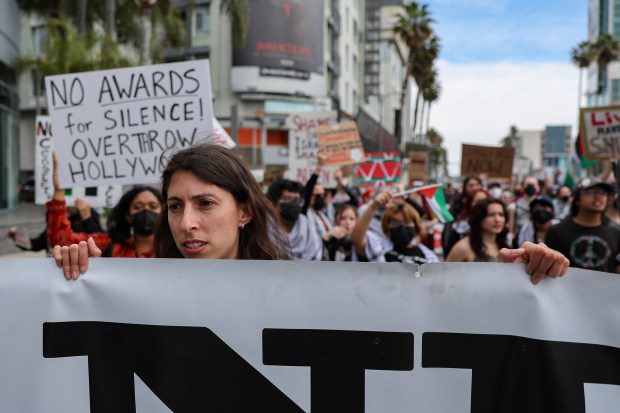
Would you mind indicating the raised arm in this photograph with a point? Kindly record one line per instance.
(358, 235)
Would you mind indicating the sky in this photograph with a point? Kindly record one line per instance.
(503, 63)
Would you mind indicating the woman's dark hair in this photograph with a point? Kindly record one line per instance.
(468, 199)
(274, 193)
(340, 208)
(118, 226)
(480, 211)
(470, 178)
(574, 206)
(261, 238)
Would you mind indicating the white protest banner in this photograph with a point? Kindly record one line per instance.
(304, 147)
(149, 335)
(120, 126)
(600, 131)
(98, 196)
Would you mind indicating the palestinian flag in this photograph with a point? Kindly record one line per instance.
(435, 201)
(580, 151)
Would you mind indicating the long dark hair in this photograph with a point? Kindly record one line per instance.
(467, 203)
(261, 238)
(119, 228)
(480, 211)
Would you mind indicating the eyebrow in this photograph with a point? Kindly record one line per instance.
(197, 196)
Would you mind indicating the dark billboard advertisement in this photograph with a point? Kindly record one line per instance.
(285, 38)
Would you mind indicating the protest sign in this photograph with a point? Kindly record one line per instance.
(600, 129)
(418, 162)
(149, 335)
(97, 196)
(495, 162)
(379, 170)
(120, 126)
(304, 147)
(340, 144)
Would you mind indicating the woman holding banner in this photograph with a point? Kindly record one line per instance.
(487, 242)
(213, 208)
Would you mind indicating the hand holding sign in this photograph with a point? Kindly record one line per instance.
(541, 260)
(74, 259)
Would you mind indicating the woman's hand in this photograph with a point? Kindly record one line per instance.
(337, 232)
(541, 260)
(381, 199)
(74, 259)
(83, 208)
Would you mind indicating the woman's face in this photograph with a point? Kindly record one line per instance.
(204, 219)
(347, 220)
(495, 221)
(144, 200)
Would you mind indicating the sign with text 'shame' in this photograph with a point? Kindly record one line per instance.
(303, 147)
(119, 126)
(278, 336)
(97, 196)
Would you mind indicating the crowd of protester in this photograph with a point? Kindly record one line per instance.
(210, 206)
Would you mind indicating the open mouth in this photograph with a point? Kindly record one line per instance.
(193, 246)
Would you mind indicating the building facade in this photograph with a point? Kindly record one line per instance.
(603, 83)
(9, 104)
(555, 148)
(299, 56)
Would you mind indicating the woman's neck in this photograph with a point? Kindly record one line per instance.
(144, 242)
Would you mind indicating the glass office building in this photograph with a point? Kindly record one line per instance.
(9, 104)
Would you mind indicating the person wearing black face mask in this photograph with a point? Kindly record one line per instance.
(402, 224)
(130, 228)
(542, 217)
(304, 242)
(562, 202)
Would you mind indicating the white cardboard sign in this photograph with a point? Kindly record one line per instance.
(98, 196)
(154, 335)
(120, 126)
(304, 147)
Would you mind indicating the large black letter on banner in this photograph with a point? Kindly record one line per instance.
(189, 368)
(337, 361)
(517, 374)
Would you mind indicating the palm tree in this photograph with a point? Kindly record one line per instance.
(431, 94)
(423, 70)
(605, 50)
(509, 141)
(414, 28)
(581, 56)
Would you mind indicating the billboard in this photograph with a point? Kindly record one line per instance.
(283, 51)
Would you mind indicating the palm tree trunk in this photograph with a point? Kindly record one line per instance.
(146, 32)
(415, 113)
(421, 130)
(82, 5)
(110, 18)
(428, 117)
(580, 95)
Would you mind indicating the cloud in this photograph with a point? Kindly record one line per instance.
(480, 101)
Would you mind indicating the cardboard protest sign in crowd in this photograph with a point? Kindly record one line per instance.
(494, 162)
(340, 144)
(600, 128)
(113, 126)
(97, 196)
(304, 146)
